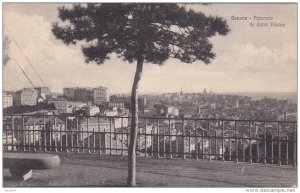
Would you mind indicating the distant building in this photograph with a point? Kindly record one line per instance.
(290, 116)
(111, 112)
(69, 93)
(83, 94)
(59, 103)
(91, 110)
(165, 110)
(56, 95)
(123, 111)
(237, 103)
(201, 108)
(70, 109)
(100, 95)
(125, 102)
(7, 100)
(171, 111)
(204, 92)
(26, 96)
(43, 91)
(212, 106)
(119, 102)
(142, 103)
(150, 111)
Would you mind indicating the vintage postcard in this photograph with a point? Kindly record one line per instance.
(200, 95)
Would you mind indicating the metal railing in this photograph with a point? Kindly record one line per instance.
(269, 142)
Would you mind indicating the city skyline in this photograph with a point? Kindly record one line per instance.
(248, 59)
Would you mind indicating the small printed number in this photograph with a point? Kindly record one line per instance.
(9, 190)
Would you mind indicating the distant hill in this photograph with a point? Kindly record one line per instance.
(276, 95)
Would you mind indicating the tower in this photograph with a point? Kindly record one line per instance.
(205, 92)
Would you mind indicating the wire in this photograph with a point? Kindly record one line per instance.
(21, 69)
(25, 55)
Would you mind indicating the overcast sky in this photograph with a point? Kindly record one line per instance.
(248, 59)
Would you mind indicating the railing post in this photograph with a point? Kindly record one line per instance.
(230, 148)
(18, 138)
(250, 144)
(33, 131)
(202, 144)
(176, 145)
(51, 135)
(77, 135)
(39, 138)
(257, 148)
(105, 148)
(243, 149)
(72, 140)
(12, 133)
(279, 145)
(88, 135)
(116, 135)
(183, 133)
(61, 138)
(217, 151)
(28, 137)
(45, 134)
(170, 139)
(196, 142)
(146, 152)
(164, 144)
(24, 133)
(236, 144)
(223, 154)
(6, 138)
(66, 132)
(99, 134)
(265, 144)
(158, 138)
(295, 145)
(127, 137)
(287, 150)
(55, 141)
(190, 156)
(110, 138)
(122, 129)
(209, 142)
(94, 141)
(56, 135)
(152, 139)
(272, 149)
(82, 136)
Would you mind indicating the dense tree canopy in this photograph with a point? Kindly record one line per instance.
(155, 31)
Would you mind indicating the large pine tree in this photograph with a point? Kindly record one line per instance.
(139, 32)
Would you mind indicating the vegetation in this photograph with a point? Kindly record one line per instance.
(143, 32)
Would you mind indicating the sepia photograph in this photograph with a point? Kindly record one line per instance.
(150, 95)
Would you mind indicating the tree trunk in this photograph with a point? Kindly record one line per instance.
(131, 179)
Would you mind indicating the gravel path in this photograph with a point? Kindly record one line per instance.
(82, 170)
